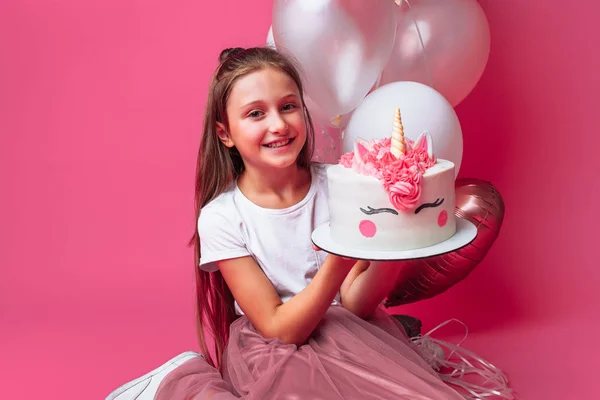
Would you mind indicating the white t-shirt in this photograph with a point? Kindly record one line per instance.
(232, 226)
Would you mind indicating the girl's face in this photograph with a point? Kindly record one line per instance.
(266, 120)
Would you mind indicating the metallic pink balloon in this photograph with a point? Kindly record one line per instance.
(476, 201)
(449, 50)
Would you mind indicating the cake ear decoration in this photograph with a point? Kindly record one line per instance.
(361, 147)
(426, 143)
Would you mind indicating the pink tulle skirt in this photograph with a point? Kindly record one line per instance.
(345, 358)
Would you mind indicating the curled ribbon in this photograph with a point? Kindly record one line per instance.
(472, 376)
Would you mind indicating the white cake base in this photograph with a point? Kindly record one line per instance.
(362, 216)
(466, 232)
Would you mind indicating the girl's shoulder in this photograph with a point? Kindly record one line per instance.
(219, 214)
(223, 203)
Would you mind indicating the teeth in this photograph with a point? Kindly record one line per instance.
(278, 144)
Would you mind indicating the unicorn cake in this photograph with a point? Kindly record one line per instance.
(392, 194)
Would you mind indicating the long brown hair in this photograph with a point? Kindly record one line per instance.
(216, 169)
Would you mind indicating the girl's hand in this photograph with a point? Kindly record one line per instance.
(316, 248)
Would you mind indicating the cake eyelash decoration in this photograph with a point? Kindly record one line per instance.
(371, 211)
(436, 203)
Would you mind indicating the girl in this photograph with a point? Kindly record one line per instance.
(288, 320)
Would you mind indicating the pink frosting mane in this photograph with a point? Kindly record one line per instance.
(401, 177)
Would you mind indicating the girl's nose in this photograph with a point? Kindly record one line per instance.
(277, 124)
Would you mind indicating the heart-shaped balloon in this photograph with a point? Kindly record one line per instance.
(476, 201)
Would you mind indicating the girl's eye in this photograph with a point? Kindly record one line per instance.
(255, 114)
(289, 106)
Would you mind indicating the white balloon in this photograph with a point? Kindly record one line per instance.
(270, 38)
(317, 113)
(444, 44)
(342, 46)
(422, 109)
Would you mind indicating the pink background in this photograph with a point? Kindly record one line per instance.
(101, 110)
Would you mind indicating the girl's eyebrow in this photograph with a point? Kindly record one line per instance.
(251, 104)
(254, 102)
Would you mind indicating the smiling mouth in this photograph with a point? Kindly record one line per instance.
(279, 143)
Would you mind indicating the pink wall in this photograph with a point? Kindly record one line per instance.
(100, 118)
(528, 128)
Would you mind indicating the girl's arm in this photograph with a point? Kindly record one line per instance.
(294, 320)
(368, 284)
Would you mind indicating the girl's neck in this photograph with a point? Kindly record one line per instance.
(276, 189)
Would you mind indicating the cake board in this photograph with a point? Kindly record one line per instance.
(466, 232)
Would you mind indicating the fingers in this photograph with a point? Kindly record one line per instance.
(316, 248)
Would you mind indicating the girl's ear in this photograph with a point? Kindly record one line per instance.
(224, 135)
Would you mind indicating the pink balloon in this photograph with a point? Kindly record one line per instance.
(477, 201)
(449, 50)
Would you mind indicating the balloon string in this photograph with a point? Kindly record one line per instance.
(378, 81)
(471, 375)
(427, 67)
(329, 149)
